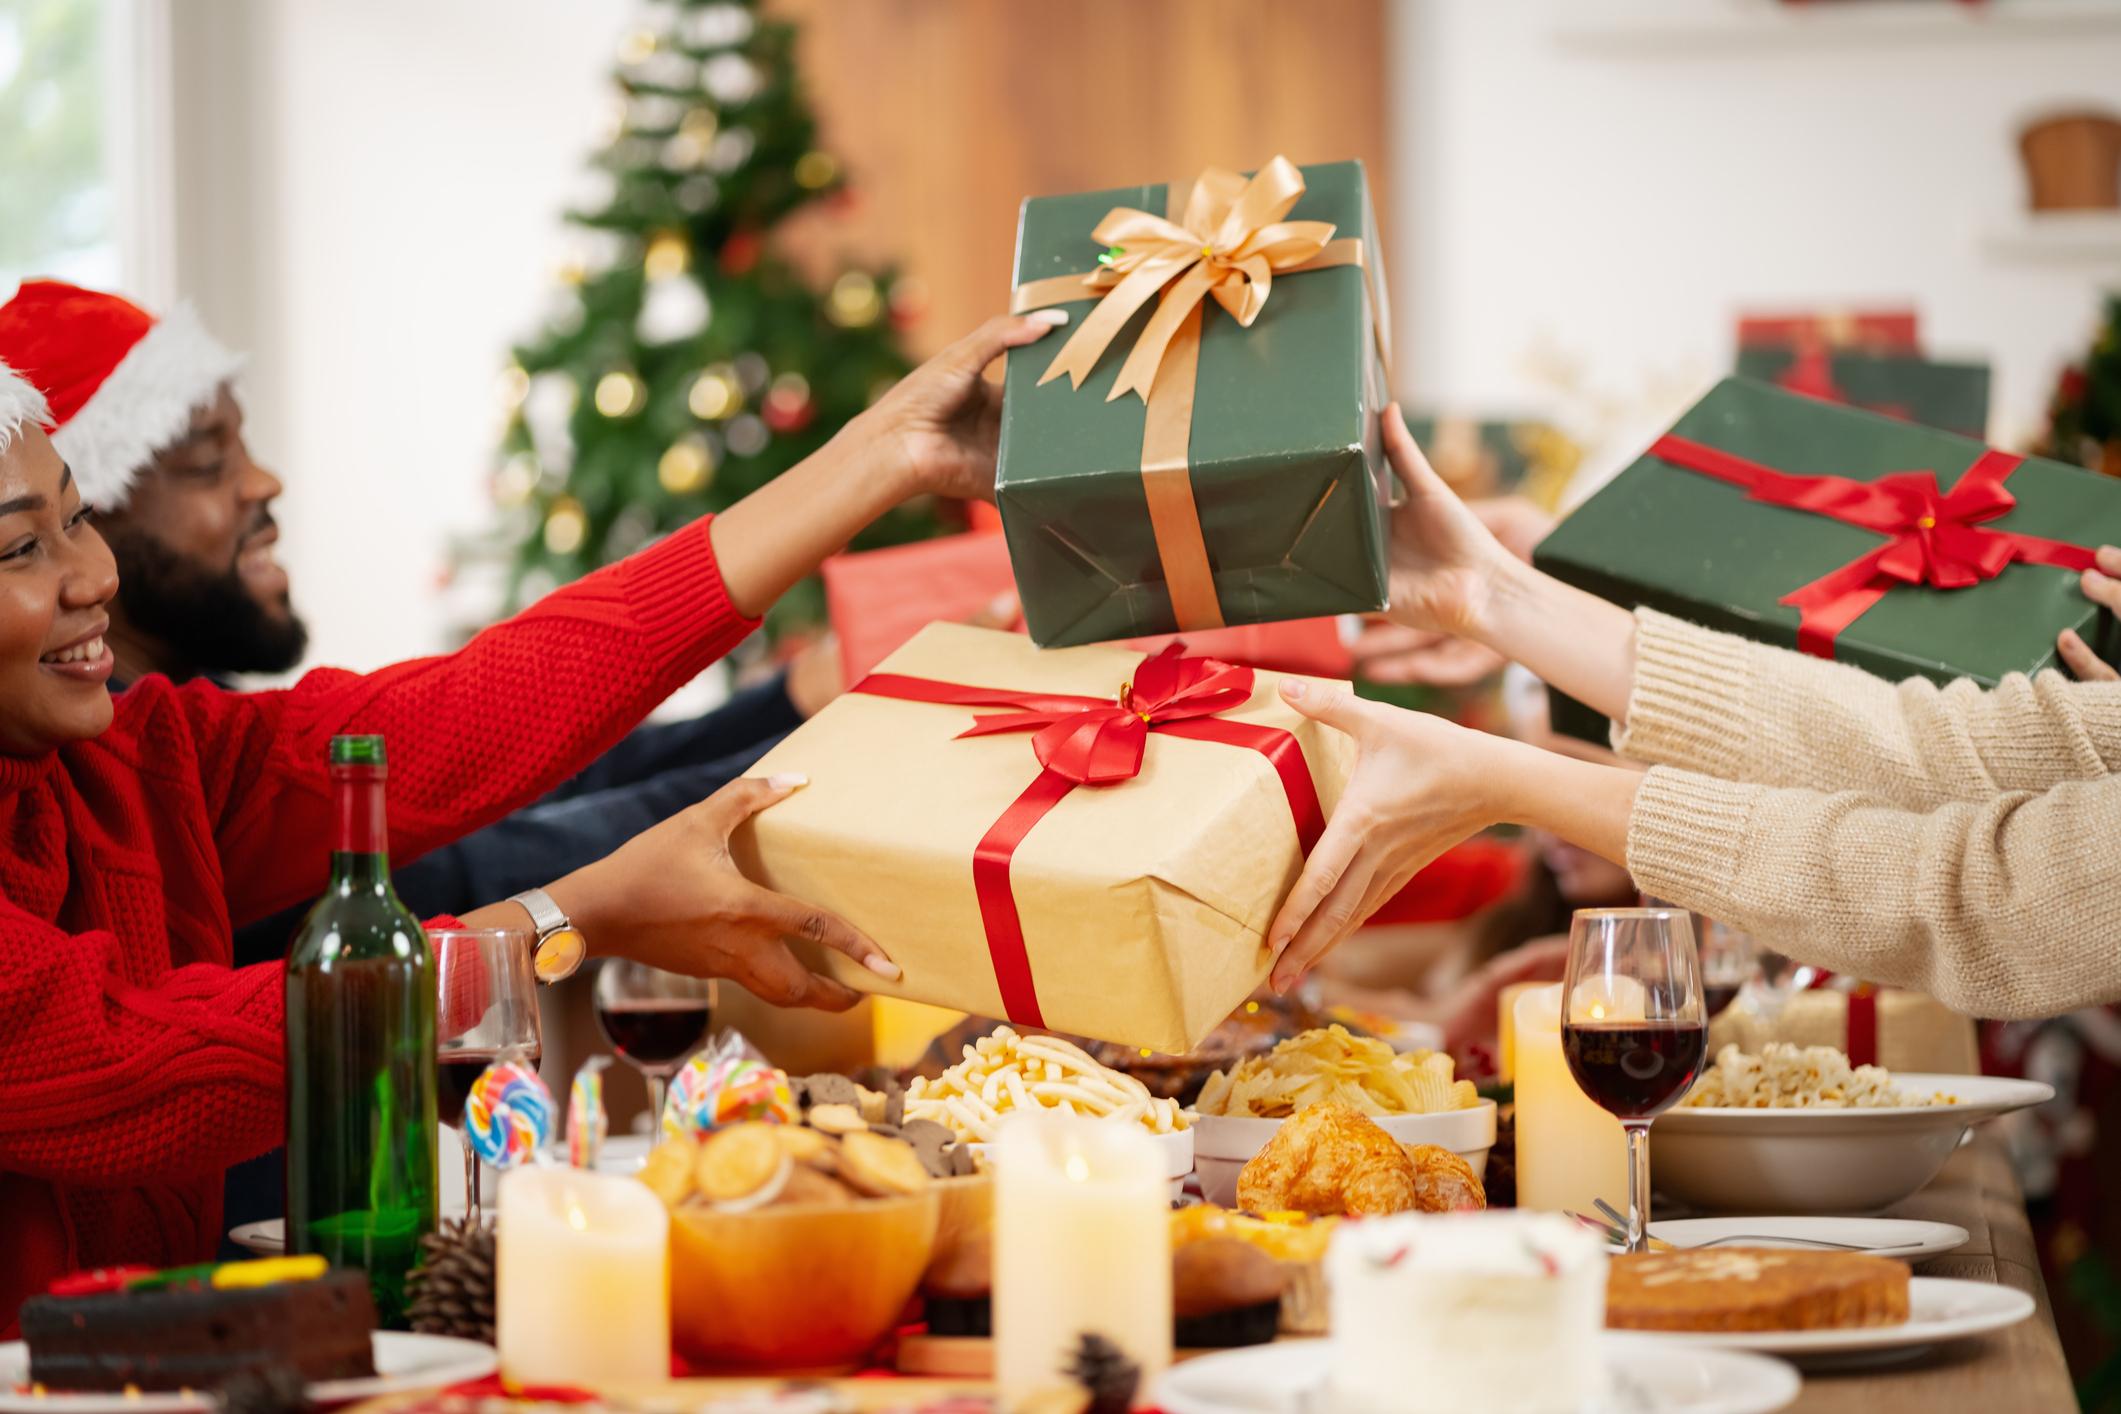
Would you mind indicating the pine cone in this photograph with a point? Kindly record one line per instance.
(451, 1291)
(277, 1389)
(1104, 1370)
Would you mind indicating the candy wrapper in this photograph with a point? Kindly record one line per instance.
(587, 1124)
(724, 1084)
(508, 1115)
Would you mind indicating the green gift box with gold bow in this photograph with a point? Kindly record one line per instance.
(1199, 445)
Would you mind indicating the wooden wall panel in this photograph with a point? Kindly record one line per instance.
(947, 113)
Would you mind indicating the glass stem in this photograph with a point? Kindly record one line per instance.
(658, 1087)
(1638, 1184)
(471, 1183)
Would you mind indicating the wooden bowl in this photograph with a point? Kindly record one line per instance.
(963, 1262)
(805, 1287)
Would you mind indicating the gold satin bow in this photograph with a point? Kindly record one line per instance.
(1229, 243)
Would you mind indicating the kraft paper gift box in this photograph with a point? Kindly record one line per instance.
(1888, 1026)
(1232, 475)
(877, 599)
(1895, 547)
(1133, 911)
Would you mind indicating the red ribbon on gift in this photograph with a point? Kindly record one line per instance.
(1098, 741)
(1938, 537)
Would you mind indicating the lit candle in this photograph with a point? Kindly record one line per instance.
(1569, 1151)
(1506, 1029)
(1082, 1243)
(582, 1279)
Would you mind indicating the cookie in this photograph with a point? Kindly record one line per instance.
(880, 1167)
(737, 1162)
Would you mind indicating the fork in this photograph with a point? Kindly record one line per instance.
(1619, 1225)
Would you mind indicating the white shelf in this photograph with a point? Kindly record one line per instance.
(2058, 238)
(1658, 28)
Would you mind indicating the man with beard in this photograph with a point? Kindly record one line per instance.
(146, 417)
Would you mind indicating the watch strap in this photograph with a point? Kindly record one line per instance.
(545, 916)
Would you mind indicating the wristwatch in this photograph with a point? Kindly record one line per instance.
(561, 946)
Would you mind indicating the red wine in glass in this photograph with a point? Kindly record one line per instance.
(454, 1073)
(1634, 1069)
(654, 1032)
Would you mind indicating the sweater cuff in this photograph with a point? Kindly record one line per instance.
(1685, 707)
(675, 591)
(1686, 836)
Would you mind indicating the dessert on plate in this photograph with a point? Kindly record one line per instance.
(199, 1327)
(1755, 1289)
(1499, 1312)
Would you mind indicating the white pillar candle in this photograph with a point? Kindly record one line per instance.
(1082, 1243)
(1506, 1030)
(582, 1279)
(1569, 1151)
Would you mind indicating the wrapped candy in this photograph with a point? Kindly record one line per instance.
(508, 1115)
(713, 1090)
(587, 1124)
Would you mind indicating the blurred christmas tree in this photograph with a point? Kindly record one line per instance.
(2084, 416)
(686, 363)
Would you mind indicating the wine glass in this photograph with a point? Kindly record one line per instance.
(1728, 957)
(653, 1019)
(486, 1007)
(1632, 1026)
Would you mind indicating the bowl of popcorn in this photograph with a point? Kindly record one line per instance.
(1004, 1074)
(1414, 1096)
(1801, 1129)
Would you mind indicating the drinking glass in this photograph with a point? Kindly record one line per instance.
(1632, 1026)
(654, 1020)
(486, 1008)
(1728, 958)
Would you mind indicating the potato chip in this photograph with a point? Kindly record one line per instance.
(1334, 1064)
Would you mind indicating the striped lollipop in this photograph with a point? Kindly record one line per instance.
(712, 1091)
(508, 1115)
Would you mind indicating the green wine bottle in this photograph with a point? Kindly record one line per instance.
(361, 1053)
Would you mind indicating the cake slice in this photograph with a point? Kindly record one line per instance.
(1754, 1289)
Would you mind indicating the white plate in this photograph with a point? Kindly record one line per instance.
(403, 1362)
(1650, 1377)
(1939, 1309)
(1824, 1160)
(1881, 1237)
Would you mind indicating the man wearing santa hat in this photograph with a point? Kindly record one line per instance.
(147, 417)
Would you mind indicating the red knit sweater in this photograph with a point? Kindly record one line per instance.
(136, 1063)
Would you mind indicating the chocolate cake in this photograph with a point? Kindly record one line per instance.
(194, 1335)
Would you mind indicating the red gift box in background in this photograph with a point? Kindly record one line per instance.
(878, 599)
(1872, 331)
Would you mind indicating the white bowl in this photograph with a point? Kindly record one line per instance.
(1224, 1144)
(1177, 1149)
(1824, 1160)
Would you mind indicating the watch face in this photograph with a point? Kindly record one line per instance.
(560, 952)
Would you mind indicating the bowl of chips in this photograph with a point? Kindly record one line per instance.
(1414, 1096)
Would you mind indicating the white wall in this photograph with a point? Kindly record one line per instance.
(1620, 207)
(386, 183)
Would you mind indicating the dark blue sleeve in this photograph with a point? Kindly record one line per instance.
(757, 714)
(530, 848)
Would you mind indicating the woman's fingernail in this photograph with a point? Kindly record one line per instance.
(883, 967)
(1052, 318)
(2069, 636)
(2092, 579)
(787, 780)
(1294, 688)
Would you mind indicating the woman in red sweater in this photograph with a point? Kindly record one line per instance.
(136, 1063)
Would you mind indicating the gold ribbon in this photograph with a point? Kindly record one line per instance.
(1229, 241)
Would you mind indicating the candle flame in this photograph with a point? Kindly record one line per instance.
(576, 1218)
(1078, 1169)
(1597, 1011)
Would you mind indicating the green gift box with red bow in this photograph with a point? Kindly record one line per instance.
(1848, 535)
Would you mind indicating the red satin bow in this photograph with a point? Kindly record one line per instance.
(1097, 741)
(1937, 536)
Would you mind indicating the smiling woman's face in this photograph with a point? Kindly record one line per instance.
(56, 576)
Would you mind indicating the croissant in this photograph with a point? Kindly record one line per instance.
(1328, 1158)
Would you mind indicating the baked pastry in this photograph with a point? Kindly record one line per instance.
(1328, 1159)
(1443, 1181)
(1237, 1279)
(202, 1327)
(1754, 1289)
(1496, 1312)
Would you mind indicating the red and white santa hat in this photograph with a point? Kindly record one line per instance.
(121, 384)
(19, 404)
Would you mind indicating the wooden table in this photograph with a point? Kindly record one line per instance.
(2020, 1368)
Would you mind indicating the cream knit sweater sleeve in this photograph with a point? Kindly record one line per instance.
(1963, 843)
(1743, 711)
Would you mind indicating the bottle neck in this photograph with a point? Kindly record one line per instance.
(360, 850)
